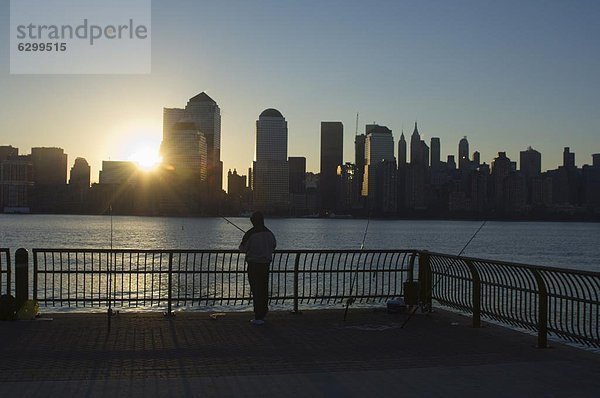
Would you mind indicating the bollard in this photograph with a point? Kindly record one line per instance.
(21, 277)
(476, 294)
(425, 286)
(542, 314)
(296, 282)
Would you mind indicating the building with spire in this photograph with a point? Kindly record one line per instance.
(402, 151)
(415, 147)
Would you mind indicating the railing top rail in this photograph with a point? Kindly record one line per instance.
(518, 265)
(166, 251)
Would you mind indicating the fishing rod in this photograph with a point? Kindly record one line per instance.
(350, 299)
(225, 218)
(444, 271)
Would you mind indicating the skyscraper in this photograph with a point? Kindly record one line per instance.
(297, 167)
(402, 151)
(271, 169)
(463, 153)
(7, 151)
(332, 148)
(359, 161)
(531, 163)
(49, 166)
(204, 112)
(435, 153)
(415, 147)
(186, 151)
(379, 147)
(568, 158)
(80, 174)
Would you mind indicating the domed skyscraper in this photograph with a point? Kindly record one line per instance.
(270, 168)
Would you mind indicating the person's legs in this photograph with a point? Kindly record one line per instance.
(253, 280)
(262, 291)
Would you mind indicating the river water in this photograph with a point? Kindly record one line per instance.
(568, 245)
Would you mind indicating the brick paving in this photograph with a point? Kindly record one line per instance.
(312, 354)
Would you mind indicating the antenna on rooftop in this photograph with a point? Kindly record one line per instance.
(356, 131)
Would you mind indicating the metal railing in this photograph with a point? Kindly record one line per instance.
(546, 300)
(549, 301)
(5, 272)
(191, 278)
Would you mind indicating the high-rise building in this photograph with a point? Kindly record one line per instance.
(531, 163)
(501, 169)
(271, 169)
(435, 154)
(402, 151)
(118, 172)
(186, 151)
(359, 162)
(568, 158)
(49, 166)
(332, 151)
(7, 151)
(463, 153)
(204, 112)
(236, 184)
(451, 163)
(297, 167)
(16, 183)
(80, 174)
(379, 147)
(416, 155)
(476, 159)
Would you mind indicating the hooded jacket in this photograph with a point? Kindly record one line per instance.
(259, 244)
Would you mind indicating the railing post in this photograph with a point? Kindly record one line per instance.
(542, 310)
(21, 277)
(476, 294)
(8, 272)
(296, 282)
(170, 287)
(425, 288)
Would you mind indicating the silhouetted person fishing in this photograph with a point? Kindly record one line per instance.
(259, 243)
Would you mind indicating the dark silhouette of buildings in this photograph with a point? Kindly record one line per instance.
(416, 183)
(332, 151)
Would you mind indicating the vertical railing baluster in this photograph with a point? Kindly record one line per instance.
(542, 310)
(296, 281)
(170, 286)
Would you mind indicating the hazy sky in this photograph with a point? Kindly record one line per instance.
(507, 74)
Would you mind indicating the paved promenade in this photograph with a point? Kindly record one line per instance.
(310, 355)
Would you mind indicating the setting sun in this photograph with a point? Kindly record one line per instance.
(147, 158)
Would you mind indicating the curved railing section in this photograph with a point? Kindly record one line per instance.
(546, 300)
(207, 278)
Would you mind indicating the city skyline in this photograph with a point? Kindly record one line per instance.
(508, 76)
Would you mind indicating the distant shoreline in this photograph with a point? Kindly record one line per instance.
(567, 219)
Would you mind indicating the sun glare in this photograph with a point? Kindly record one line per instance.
(146, 158)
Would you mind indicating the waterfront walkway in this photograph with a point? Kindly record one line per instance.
(314, 354)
